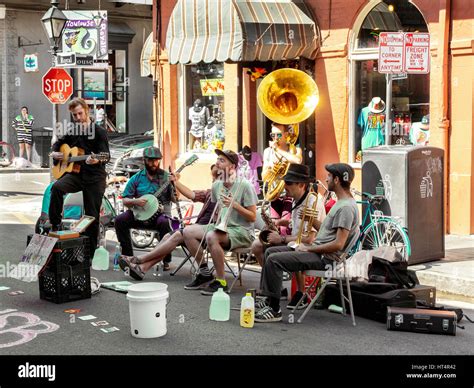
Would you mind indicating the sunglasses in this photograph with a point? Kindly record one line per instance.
(278, 135)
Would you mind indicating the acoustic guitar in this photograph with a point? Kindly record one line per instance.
(71, 159)
(153, 207)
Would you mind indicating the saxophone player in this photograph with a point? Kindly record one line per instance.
(238, 201)
(297, 186)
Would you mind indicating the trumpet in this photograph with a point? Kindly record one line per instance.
(307, 215)
(225, 212)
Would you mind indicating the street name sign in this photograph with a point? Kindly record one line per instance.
(417, 52)
(57, 85)
(66, 59)
(391, 51)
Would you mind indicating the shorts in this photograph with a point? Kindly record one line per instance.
(238, 236)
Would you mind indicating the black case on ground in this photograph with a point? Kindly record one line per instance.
(421, 320)
(425, 294)
(370, 300)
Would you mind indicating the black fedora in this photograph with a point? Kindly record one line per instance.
(298, 173)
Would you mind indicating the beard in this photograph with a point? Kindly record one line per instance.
(152, 170)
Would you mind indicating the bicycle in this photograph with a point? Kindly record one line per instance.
(382, 230)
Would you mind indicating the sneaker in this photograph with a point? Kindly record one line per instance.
(166, 266)
(261, 303)
(294, 301)
(213, 287)
(199, 281)
(284, 294)
(268, 315)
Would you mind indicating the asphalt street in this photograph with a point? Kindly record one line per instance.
(190, 331)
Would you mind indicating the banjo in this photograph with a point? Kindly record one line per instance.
(153, 206)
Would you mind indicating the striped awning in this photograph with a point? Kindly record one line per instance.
(240, 30)
(148, 53)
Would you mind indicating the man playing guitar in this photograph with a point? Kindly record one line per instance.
(91, 179)
(146, 181)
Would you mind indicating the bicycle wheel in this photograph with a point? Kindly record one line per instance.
(385, 232)
(142, 238)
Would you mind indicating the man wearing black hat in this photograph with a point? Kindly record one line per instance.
(297, 186)
(334, 233)
(146, 181)
(238, 205)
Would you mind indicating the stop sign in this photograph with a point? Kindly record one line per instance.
(57, 85)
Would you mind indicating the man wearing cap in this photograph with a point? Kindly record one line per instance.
(334, 234)
(297, 186)
(239, 231)
(146, 181)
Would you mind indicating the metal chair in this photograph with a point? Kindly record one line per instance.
(239, 252)
(339, 274)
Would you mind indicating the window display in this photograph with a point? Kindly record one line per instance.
(205, 107)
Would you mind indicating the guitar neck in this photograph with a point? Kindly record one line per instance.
(166, 184)
(73, 159)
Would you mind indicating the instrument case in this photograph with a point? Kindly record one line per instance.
(421, 320)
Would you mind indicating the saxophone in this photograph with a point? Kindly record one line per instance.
(269, 225)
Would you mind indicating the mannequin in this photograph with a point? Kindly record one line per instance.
(372, 123)
(209, 134)
(219, 137)
(199, 115)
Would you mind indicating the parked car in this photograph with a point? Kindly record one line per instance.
(126, 153)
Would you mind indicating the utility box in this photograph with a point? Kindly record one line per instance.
(411, 179)
(42, 144)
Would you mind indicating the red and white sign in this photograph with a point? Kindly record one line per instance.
(391, 50)
(57, 85)
(417, 52)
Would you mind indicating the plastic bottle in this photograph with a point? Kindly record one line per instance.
(220, 306)
(247, 311)
(159, 269)
(117, 254)
(100, 261)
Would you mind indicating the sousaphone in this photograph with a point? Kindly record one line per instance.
(285, 96)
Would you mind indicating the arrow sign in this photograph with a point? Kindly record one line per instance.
(390, 52)
(417, 52)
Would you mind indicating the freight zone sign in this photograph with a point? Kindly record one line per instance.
(391, 52)
(417, 53)
(404, 52)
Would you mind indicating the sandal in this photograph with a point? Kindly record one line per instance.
(136, 272)
(125, 261)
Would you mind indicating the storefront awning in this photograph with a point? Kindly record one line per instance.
(148, 53)
(240, 30)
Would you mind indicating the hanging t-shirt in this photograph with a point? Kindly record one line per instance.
(372, 125)
(198, 120)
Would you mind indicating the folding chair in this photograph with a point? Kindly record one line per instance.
(240, 252)
(339, 274)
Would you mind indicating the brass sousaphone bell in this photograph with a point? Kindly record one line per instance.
(285, 96)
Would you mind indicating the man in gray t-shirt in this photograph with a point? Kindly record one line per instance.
(335, 233)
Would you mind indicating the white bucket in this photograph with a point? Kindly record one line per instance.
(147, 304)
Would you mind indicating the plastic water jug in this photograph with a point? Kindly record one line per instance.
(220, 306)
(100, 261)
(247, 311)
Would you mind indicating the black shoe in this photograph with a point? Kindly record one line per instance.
(198, 282)
(213, 287)
(294, 301)
(284, 294)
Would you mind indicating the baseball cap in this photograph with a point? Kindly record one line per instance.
(229, 155)
(341, 170)
(152, 153)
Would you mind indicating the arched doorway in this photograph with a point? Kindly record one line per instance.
(410, 93)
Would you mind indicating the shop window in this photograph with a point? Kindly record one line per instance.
(409, 114)
(204, 124)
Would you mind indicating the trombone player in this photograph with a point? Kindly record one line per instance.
(297, 186)
(234, 227)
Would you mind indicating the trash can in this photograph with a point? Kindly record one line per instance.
(411, 178)
(42, 144)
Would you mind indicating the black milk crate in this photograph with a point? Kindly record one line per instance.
(66, 277)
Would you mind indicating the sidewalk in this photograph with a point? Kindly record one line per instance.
(13, 170)
(455, 273)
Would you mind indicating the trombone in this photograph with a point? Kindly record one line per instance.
(226, 211)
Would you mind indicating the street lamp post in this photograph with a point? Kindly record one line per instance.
(54, 22)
